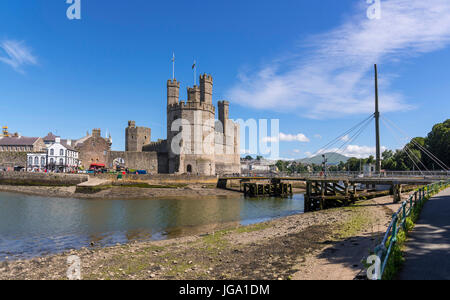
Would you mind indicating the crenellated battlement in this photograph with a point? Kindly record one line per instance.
(206, 77)
(173, 82)
(159, 146)
(192, 106)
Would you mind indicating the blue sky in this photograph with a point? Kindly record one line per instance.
(307, 63)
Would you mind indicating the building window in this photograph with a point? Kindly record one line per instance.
(30, 161)
(189, 169)
(42, 161)
(36, 160)
(52, 152)
(61, 152)
(61, 161)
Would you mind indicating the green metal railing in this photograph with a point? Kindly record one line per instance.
(398, 222)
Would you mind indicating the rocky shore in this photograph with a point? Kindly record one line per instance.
(329, 244)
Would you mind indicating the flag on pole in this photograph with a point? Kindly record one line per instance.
(193, 68)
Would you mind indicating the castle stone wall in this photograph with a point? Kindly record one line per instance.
(12, 159)
(135, 160)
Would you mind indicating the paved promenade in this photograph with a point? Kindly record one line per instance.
(428, 247)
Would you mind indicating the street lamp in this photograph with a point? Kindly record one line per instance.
(324, 165)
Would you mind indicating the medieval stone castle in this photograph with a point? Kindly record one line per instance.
(196, 142)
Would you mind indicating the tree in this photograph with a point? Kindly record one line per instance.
(387, 154)
(438, 143)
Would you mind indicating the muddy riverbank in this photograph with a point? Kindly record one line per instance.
(119, 192)
(329, 244)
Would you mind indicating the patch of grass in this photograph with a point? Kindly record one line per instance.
(152, 186)
(92, 189)
(125, 264)
(396, 258)
(252, 228)
(34, 183)
(357, 222)
(216, 242)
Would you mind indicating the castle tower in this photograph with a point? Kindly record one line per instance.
(194, 94)
(173, 92)
(206, 88)
(136, 137)
(224, 110)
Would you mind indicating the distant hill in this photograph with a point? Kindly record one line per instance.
(333, 159)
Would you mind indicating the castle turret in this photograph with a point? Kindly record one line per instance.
(206, 88)
(224, 109)
(173, 92)
(136, 137)
(194, 94)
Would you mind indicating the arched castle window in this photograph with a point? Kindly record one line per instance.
(189, 169)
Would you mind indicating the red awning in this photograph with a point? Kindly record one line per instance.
(98, 165)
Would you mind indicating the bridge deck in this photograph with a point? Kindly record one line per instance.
(351, 179)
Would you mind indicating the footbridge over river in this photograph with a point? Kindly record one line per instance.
(328, 189)
(334, 189)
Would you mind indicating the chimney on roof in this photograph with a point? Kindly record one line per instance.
(97, 132)
(58, 140)
(69, 142)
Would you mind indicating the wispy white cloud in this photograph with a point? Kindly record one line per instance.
(308, 154)
(294, 138)
(283, 137)
(16, 54)
(352, 151)
(345, 138)
(334, 75)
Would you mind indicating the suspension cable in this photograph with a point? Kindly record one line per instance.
(352, 139)
(404, 148)
(327, 146)
(426, 151)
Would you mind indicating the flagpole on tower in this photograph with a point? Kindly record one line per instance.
(173, 66)
(194, 67)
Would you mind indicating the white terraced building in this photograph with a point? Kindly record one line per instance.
(59, 157)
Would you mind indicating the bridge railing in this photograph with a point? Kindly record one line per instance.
(353, 174)
(399, 223)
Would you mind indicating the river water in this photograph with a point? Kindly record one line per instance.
(33, 226)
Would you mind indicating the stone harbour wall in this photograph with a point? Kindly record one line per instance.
(41, 179)
(13, 159)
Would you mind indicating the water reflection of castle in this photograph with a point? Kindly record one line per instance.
(165, 218)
